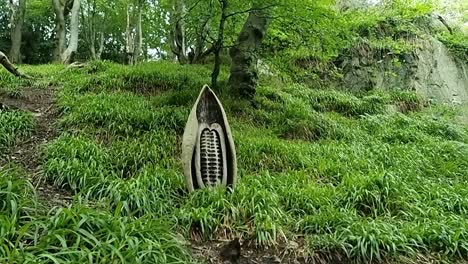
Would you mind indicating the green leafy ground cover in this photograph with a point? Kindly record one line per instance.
(344, 173)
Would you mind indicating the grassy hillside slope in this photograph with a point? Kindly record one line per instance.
(323, 173)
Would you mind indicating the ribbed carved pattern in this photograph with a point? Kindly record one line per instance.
(211, 158)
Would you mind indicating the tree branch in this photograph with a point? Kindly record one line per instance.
(442, 19)
(249, 10)
(188, 11)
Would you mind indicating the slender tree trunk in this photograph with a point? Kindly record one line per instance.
(94, 30)
(218, 46)
(138, 37)
(92, 37)
(60, 30)
(180, 32)
(16, 21)
(177, 33)
(101, 46)
(92, 49)
(88, 20)
(129, 36)
(244, 73)
(134, 32)
(68, 54)
(442, 19)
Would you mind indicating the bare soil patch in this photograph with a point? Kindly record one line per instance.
(41, 103)
(286, 252)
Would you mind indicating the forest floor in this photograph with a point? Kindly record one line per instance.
(326, 176)
(40, 102)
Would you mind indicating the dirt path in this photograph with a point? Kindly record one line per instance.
(41, 103)
(285, 252)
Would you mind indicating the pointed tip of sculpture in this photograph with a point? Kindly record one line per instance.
(207, 88)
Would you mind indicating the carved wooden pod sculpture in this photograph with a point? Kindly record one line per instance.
(208, 152)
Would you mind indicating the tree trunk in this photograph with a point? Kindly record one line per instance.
(442, 19)
(93, 28)
(90, 34)
(16, 21)
(60, 30)
(92, 49)
(101, 46)
(244, 73)
(138, 38)
(218, 46)
(177, 33)
(134, 32)
(68, 54)
(129, 35)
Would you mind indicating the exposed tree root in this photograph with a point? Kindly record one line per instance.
(77, 65)
(10, 67)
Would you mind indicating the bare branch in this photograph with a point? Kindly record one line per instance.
(442, 19)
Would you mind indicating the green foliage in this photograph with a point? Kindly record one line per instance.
(354, 176)
(309, 43)
(78, 233)
(14, 125)
(121, 114)
(152, 191)
(9, 84)
(147, 78)
(364, 176)
(17, 194)
(88, 163)
(75, 162)
(457, 43)
(81, 234)
(17, 206)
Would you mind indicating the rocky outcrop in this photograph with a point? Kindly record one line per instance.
(439, 76)
(430, 70)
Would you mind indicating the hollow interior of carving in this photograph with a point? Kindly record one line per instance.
(211, 156)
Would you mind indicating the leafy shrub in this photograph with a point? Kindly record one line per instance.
(316, 127)
(267, 153)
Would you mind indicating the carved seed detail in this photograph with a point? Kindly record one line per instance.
(211, 158)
